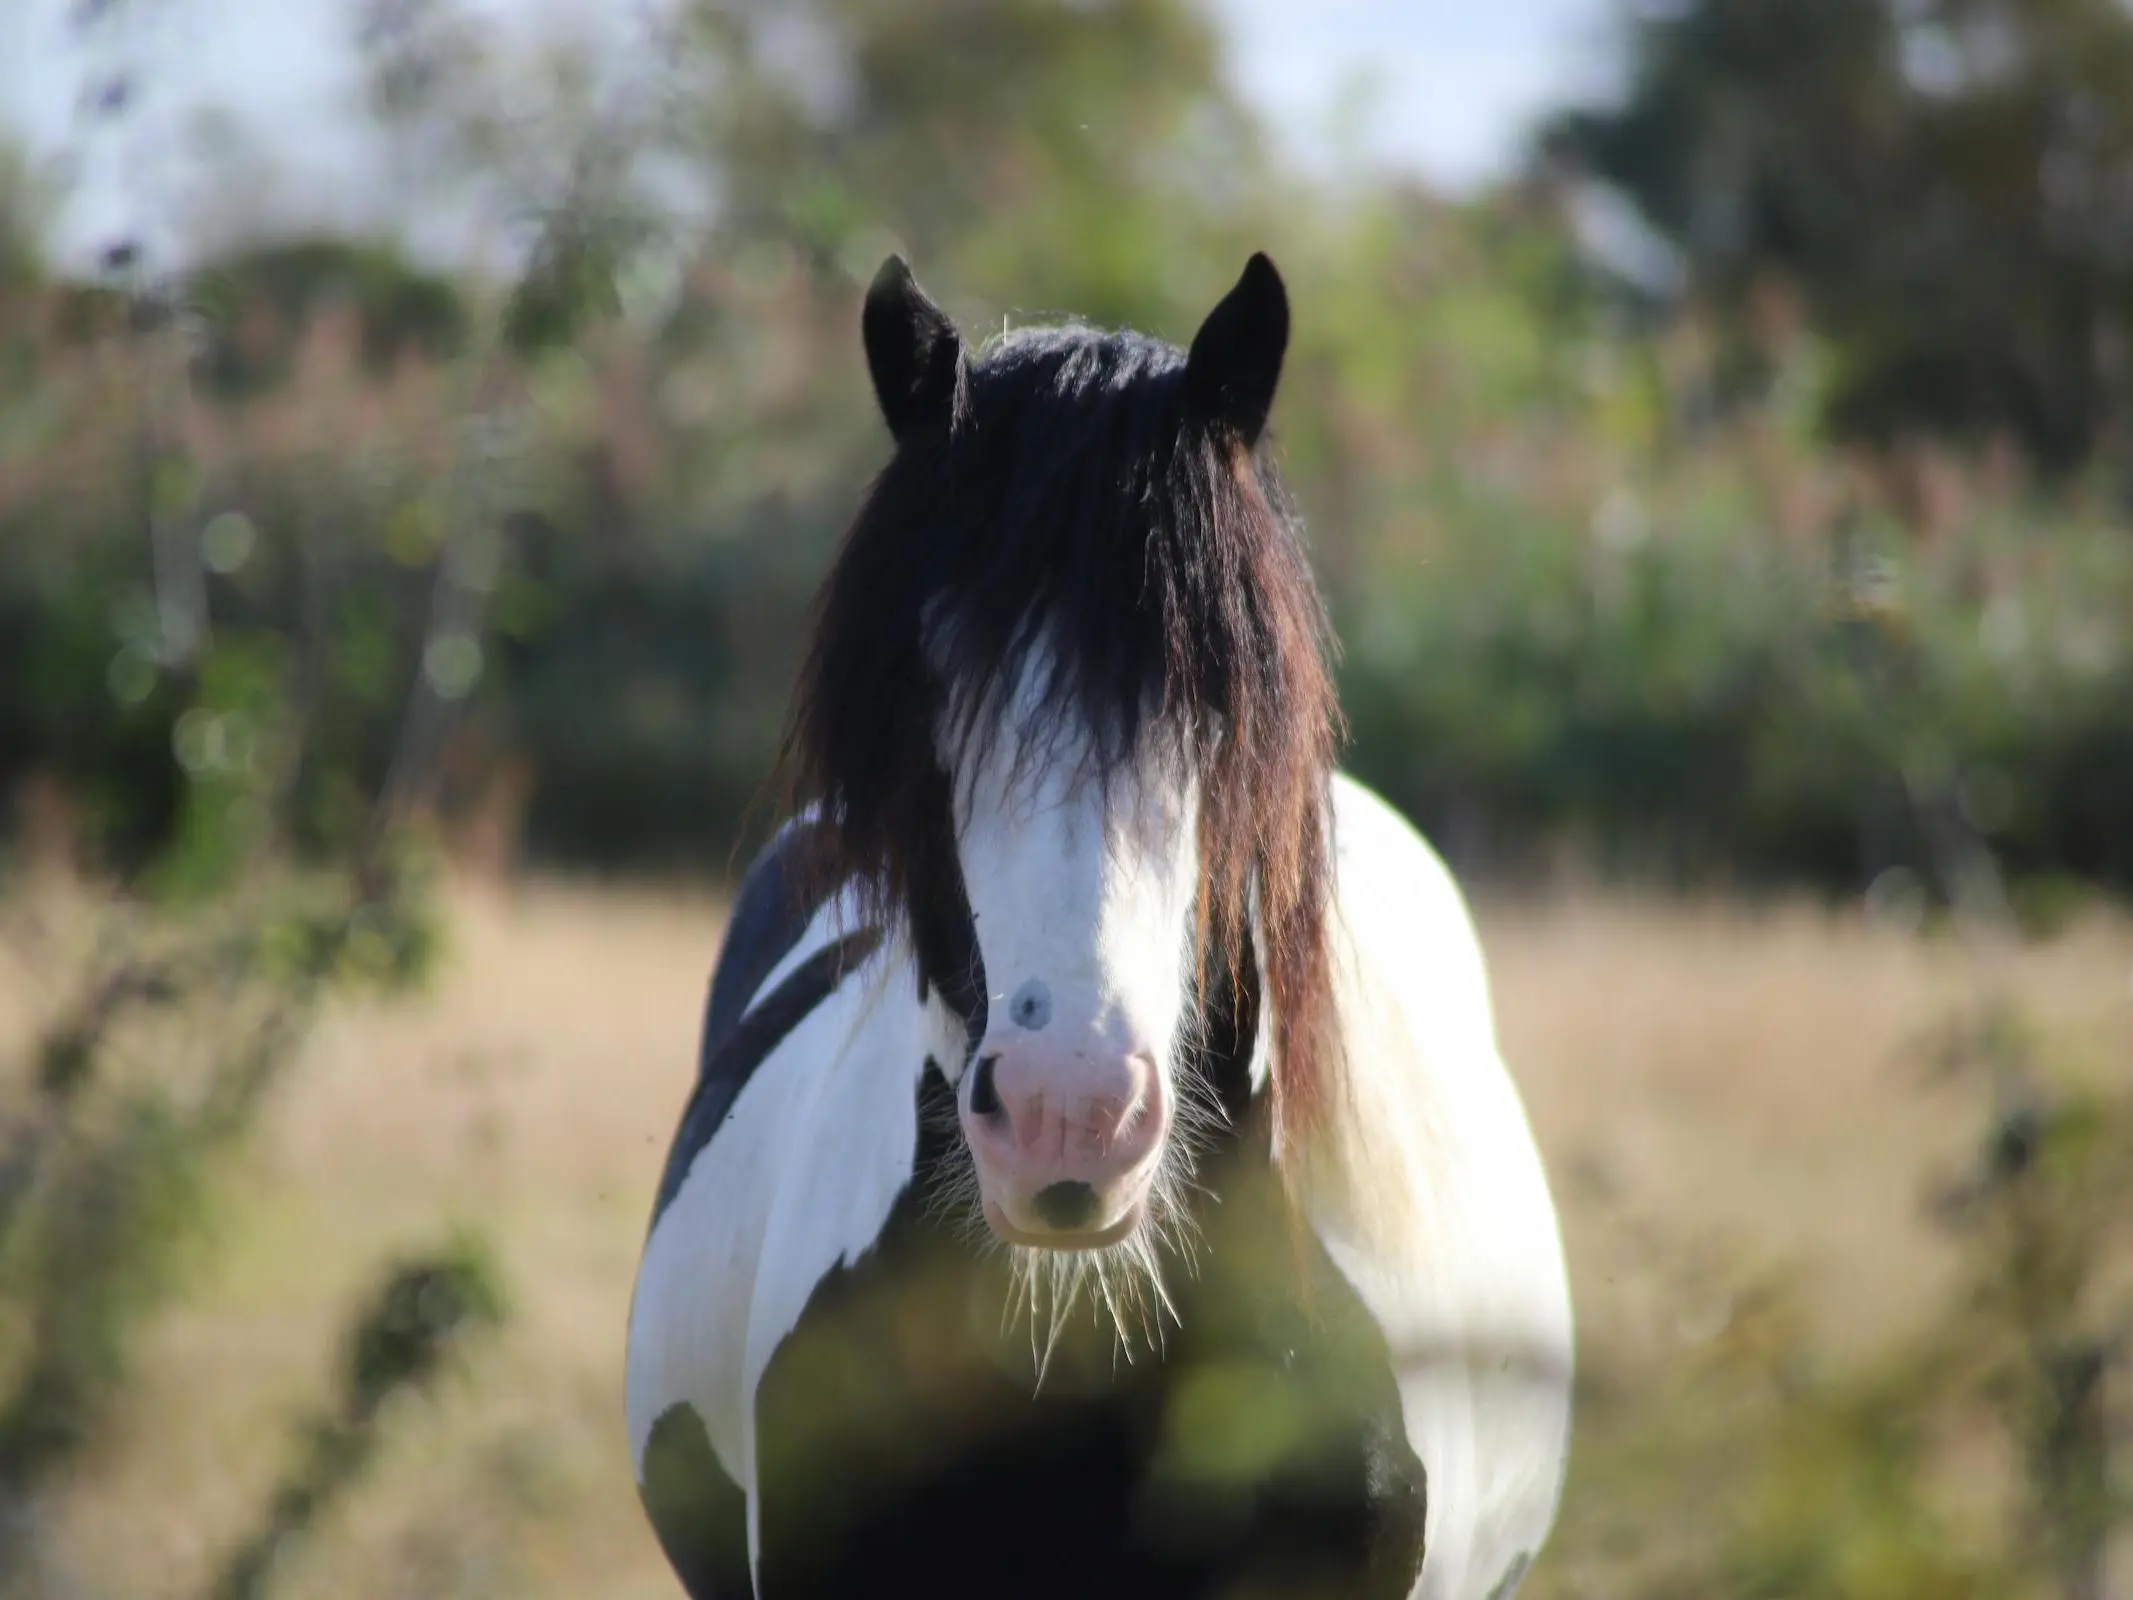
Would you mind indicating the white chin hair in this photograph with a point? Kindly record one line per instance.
(1121, 1283)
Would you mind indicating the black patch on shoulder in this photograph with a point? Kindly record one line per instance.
(768, 922)
(699, 1514)
(761, 1031)
(768, 919)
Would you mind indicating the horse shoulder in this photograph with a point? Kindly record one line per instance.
(1441, 1217)
(809, 1153)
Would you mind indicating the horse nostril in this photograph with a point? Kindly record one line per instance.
(984, 1094)
(1065, 1205)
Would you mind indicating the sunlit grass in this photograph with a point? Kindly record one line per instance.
(1720, 1091)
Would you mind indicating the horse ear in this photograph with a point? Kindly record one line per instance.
(1235, 364)
(914, 353)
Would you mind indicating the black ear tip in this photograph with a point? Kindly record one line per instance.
(1259, 293)
(894, 273)
(1261, 285)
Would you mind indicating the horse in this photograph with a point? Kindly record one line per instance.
(1101, 1175)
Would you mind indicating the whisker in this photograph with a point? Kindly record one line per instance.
(1123, 1285)
(1118, 1321)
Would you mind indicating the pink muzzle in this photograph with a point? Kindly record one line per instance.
(1066, 1142)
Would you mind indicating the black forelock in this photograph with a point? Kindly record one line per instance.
(1076, 500)
(1077, 504)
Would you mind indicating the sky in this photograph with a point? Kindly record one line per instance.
(1445, 88)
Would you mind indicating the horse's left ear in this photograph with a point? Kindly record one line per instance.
(1235, 364)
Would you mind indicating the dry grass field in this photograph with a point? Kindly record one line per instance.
(1711, 1084)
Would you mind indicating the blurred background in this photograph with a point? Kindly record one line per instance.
(423, 422)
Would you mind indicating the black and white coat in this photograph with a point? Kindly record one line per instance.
(1349, 1376)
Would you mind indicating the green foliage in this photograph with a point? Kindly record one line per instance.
(1695, 699)
(1945, 181)
(1976, 1457)
(24, 203)
(91, 1234)
(258, 302)
(1575, 608)
(189, 680)
(109, 1163)
(1032, 157)
(231, 742)
(424, 1313)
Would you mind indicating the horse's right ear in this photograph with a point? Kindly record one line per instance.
(913, 352)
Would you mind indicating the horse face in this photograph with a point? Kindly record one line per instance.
(1097, 495)
(1083, 899)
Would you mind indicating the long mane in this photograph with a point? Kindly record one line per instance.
(1074, 505)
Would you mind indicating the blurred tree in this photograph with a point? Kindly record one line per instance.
(1047, 153)
(1949, 182)
(421, 1316)
(1563, 619)
(544, 151)
(24, 203)
(259, 301)
(254, 865)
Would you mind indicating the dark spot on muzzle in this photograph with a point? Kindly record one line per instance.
(984, 1093)
(1032, 1006)
(1065, 1205)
